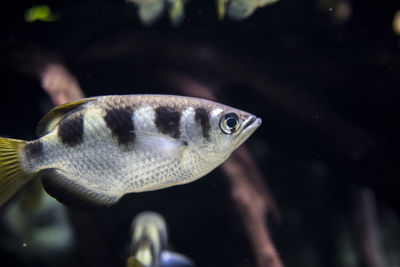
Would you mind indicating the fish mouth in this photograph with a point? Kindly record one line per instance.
(252, 122)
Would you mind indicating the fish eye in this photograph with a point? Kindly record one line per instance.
(229, 123)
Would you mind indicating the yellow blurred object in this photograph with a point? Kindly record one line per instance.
(41, 13)
(396, 23)
(221, 8)
(340, 11)
(176, 11)
(133, 262)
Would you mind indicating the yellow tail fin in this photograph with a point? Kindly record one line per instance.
(12, 177)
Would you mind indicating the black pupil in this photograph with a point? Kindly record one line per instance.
(231, 122)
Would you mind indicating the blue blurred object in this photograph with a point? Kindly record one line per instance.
(172, 259)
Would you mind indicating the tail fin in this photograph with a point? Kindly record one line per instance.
(12, 177)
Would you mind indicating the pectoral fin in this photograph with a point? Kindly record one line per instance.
(160, 144)
(65, 189)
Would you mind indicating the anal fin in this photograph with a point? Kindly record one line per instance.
(70, 193)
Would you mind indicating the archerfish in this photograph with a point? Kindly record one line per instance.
(93, 151)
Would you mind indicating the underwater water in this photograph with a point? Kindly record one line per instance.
(321, 171)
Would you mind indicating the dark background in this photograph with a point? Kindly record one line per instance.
(325, 86)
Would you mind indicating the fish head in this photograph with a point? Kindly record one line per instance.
(227, 128)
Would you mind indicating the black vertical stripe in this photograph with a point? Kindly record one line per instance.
(202, 116)
(119, 120)
(34, 149)
(167, 121)
(70, 130)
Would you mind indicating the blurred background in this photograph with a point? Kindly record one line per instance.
(324, 75)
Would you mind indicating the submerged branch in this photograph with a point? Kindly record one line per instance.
(367, 229)
(252, 202)
(60, 84)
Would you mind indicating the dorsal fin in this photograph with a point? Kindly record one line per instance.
(51, 119)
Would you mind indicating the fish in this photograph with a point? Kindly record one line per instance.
(240, 9)
(150, 11)
(93, 151)
(149, 239)
(149, 244)
(176, 11)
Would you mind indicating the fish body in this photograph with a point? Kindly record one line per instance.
(94, 151)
